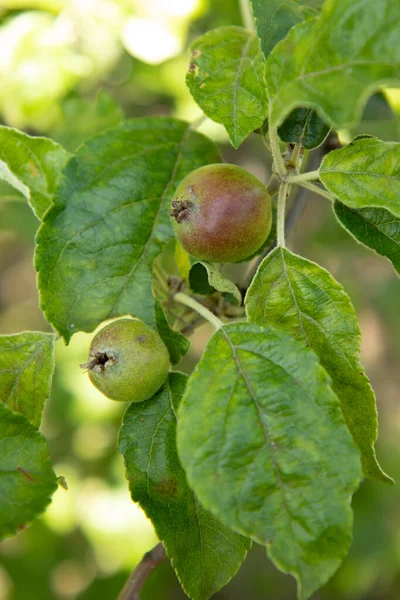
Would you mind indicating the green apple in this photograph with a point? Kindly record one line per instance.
(128, 361)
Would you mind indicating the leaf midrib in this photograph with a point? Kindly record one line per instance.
(239, 74)
(264, 427)
(156, 219)
(23, 368)
(377, 227)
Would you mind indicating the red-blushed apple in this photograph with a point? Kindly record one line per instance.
(221, 213)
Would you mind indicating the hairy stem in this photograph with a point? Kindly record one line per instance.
(317, 190)
(279, 163)
(247, 14)
(295, 211)
(310, 176)
(297, 156)
(280, 226)
(202, 310)
(273, 185)
(139, 575)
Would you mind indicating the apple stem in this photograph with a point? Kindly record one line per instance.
(202, 310)
(280, 227)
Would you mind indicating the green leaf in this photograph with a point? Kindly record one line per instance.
(226, 78)
(266, 449)
(84, 117)
(198, 280)
(204, 553)
(183, 261)
(178, 345)
(32, 165)
(303, 299)
(304, 126)
(111, 219)
(26, 371)
(274, 19)
(205, 278)
(377, 228)
(27, 479)
(334, 62)
(364, 173)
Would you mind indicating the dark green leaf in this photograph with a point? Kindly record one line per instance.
(365, 173)
(334, 62)
(266, 449)
(26, 371)
(204, 553)
(377, 228)
(27, 480)
(205, 278)
(299, 297)
(304, 126)
(176, 343)
(32, 165)
(198, 280)
(275, 17)
(111, 219)
(226, 77)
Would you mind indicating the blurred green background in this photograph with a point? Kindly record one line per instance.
(70, 68)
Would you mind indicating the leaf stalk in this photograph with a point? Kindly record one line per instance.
(280, 227)
(310, 176)
(279, 163)
(247, 14)
(199, 308)
(297, 156)
(317, 190)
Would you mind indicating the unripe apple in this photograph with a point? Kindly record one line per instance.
(221, 213)
(128, 361)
